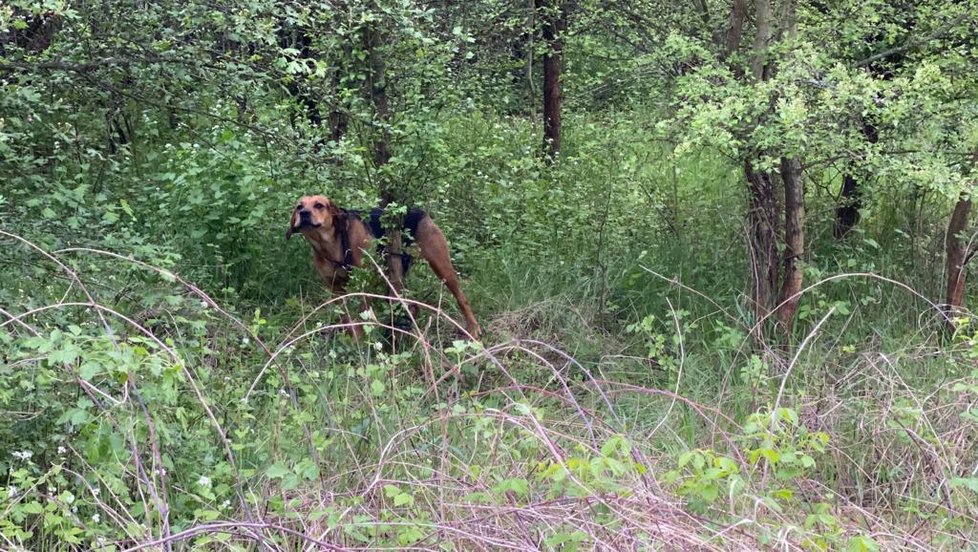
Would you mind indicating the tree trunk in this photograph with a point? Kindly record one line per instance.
(957, 258)
(298, 38)
(762, 213)
(338, 120)
(35, 32)
(553, 22)
(762, 220)
(735, 30)
(847, 211)
(758, 63)
(850, 201)
(794, 240)
(377, 89)
(337, 125)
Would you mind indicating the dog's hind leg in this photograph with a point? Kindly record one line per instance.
(434, 249)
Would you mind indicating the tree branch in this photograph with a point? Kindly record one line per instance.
(914, 43)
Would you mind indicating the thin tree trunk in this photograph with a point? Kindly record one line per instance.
(377, 84)
(762, 11)
(847, 211)
(794, 240)
(553, 18)
(337, 116)
(735, 30)
(530, 59)
(298, 38)
(762, 220)
(704, 12)
(956, 258)
(377, 89)
(35, 32)
(850, 201)
(762, 212)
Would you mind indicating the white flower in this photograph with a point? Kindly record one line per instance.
(204, 481)
(62, 450)
(12, 491)
(69, 498)
(23, 454)
(226, 504)
(96, 518)
(96, 491)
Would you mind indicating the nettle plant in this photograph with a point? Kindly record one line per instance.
(82, 431)
(771, 443)
(775, 443)
(586, 473)
(661, 347)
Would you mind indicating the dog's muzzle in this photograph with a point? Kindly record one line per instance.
(305, 221)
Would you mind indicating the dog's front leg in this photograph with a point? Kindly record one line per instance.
(352, 321)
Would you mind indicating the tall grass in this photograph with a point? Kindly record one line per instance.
(206, 429)
(160, 396)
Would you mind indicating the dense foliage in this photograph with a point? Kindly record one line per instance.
(720, 249)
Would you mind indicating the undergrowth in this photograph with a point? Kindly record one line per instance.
(184, 382)
(188, 423)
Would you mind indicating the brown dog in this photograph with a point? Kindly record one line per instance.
(339, 238)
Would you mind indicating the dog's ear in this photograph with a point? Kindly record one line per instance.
(341, 220)
(339, 216)
(293, 222)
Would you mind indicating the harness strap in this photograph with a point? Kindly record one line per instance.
(345, 243)
(344, 231)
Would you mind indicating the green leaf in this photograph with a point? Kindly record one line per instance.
(409, 535)
(89, 370)
(32, 507)
(78, 417)
(970, 483)
(862, 543)
(277, 471)
(127, 208)
(520, 487)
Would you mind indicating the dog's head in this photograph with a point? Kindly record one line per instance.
(314, 213)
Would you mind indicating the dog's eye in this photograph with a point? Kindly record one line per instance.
(298, 207)
(319, 206)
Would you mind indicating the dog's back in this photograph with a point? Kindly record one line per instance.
(409, 225)
(409, 228)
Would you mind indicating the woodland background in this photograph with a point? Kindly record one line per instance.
(720, 249)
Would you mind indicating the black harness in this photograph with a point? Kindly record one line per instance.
(408, 228)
